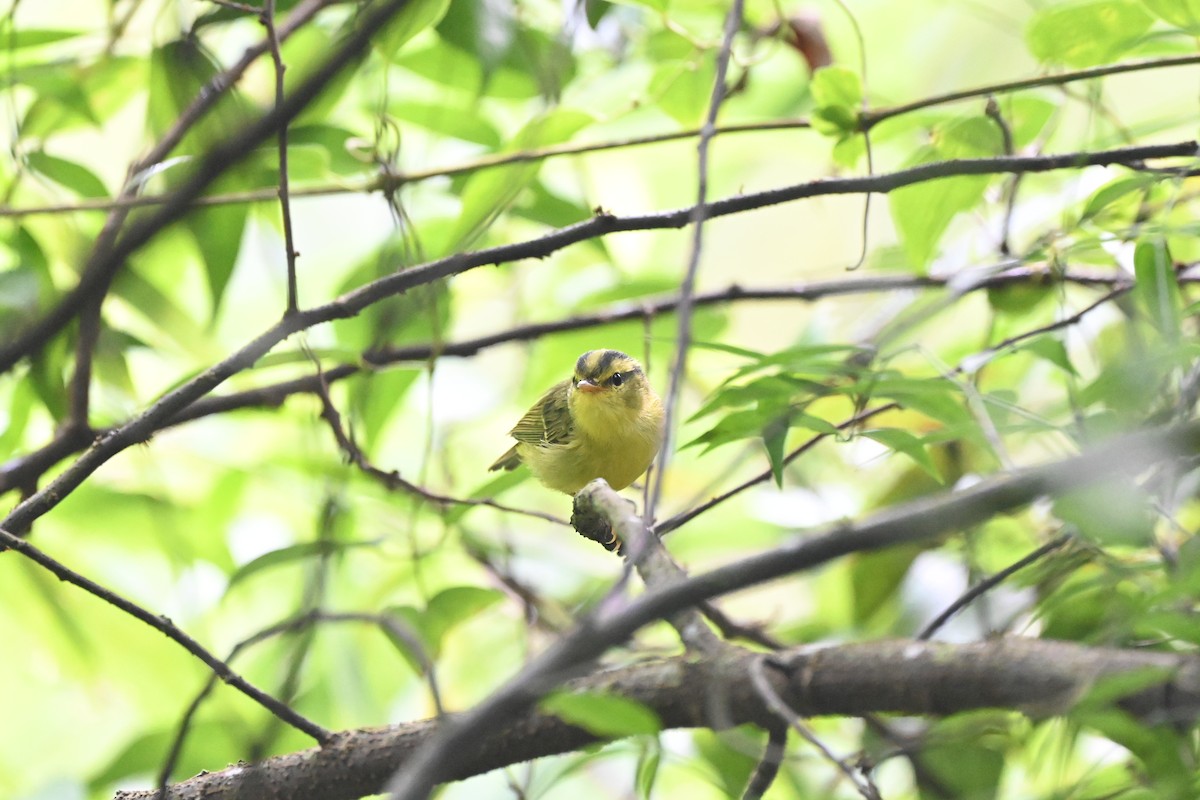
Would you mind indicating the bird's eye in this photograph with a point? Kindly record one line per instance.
(617, 379)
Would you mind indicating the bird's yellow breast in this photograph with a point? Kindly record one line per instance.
(613, 439)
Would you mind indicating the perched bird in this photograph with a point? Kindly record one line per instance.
(604, 422)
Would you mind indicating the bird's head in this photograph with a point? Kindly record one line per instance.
(608, 378)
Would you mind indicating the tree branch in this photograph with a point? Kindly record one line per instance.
(171, 631)
(391, 181)
(920, 520)
(358, 299)
(106, 261)
(1034, 676)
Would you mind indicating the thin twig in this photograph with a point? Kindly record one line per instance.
(171, 631)
(394, 625)
(391, 180)
(973, 362)
(873, 118)
(395, 283)
(988, 584)
(992, 109)
(100, 270)
(392, 480)
(267, 18)
(768, 765)
(758, 676)
(684, 517)
(687, 287)
(732, 629)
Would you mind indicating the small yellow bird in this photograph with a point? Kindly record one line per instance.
(605, 422)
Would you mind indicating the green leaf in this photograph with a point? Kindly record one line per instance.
(596, 10)
(20, 293)
(458, 122)
(836, 86)
(18, 415)
(218, 233)
(1083, 34)
(1183, 14)
(293, 553)
(969, 759)
(298, 54)
(143, 754)
(1113, 191)
(1158, 287)
(1159, 748)
(649, 758)
(179, 72)
(454, 606)
(605, 715)
(1052, 349)
(902, 441)
(1111, 513)
(838, 95)
(728, 755)
(73, 176)
(159, 309)
(490, 193)
(774, 438)
(924, 211)
(683, 89)
(486, 31)
(416, 16)
(334, 141)
(409, 638)
(504, 480)
(849, 150)
(1028, 116)
(542, 205)
(876, 578)
(31, 37)
(748, 424)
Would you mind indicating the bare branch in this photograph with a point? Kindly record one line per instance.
(392, 480)
(355, 301)
(768, 765)
(1037, 677)
(758, 677)
(988, 584)
(913, 522)
(171, 631)
(646, 552)
(106, 261)
(391, 180)
(873, 118)
(267, 17)
(687, 286)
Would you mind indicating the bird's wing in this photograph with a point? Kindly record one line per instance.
(549, 421)
(510, 460)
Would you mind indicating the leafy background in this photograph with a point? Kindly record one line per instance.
(236, 521)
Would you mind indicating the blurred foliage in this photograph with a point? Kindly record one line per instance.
(239, 521)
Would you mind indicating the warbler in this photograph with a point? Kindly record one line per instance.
(603, 422)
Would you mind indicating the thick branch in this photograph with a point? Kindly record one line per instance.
(713, 691)
(921, 520)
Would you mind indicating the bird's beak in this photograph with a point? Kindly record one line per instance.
(588, 387)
